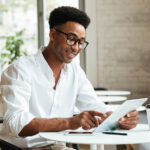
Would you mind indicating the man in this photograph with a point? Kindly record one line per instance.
(40, 91)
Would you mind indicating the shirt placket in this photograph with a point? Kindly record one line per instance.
(56, 96)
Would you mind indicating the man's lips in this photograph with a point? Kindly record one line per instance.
(70, 55)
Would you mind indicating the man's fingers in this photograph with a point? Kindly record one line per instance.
(88, 124)
(128, 122)
(100, 116)
(95, 113)
(124, 126)
(92, 120)
(127, 125)
(91, 123)
(132, 114)
(124, 119)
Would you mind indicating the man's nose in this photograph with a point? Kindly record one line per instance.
(75, 47)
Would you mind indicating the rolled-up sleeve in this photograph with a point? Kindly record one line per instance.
(87, 99)
(16, 91)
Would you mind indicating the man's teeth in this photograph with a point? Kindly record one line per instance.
(70, 54)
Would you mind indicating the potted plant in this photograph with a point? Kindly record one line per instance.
(12, 49)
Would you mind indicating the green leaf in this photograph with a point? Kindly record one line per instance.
(3, 55)
(12, 49)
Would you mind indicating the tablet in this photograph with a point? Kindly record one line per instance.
(112, 121)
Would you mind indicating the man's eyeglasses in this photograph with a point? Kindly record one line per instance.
(72, 39)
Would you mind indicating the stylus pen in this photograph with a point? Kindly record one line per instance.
(116, 133)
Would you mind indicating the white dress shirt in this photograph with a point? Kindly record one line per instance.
(27, 91)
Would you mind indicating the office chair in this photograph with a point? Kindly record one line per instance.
(5, 145)
(1, 119)
(76, 146)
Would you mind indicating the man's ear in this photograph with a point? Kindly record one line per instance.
(52, 35)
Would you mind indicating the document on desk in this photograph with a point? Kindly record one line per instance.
(111, 123)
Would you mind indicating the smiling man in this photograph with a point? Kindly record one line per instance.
(40, 91)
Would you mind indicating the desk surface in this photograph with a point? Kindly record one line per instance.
(111, 98)
(140, 134)
(103, 92)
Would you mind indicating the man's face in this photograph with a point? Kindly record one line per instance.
(63, 51)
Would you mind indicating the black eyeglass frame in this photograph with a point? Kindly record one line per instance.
(78, 40)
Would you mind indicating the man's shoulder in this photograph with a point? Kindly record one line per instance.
(23, 64)
(26, 60)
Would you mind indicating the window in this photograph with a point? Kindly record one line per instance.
(16, 15)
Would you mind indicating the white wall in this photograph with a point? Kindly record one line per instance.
(118, 57)
(91, 51)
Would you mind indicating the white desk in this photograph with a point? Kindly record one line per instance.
(111, 98)
(111, 93)
(140, 134)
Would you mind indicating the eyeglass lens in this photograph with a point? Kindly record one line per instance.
(72, 40)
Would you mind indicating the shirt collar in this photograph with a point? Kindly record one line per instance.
(42, 63)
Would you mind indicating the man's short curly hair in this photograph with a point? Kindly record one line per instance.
(63, 14)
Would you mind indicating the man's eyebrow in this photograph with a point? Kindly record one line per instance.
(73, 34)
(82, 38)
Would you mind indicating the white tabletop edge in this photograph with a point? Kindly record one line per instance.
(140, 134)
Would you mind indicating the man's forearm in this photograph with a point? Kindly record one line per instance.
(86, 120)
(43, 125)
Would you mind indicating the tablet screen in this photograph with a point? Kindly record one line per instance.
(112, 121)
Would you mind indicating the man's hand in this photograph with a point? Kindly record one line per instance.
(87, 120)
(129, 121)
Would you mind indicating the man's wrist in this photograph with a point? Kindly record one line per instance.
(69, 123)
